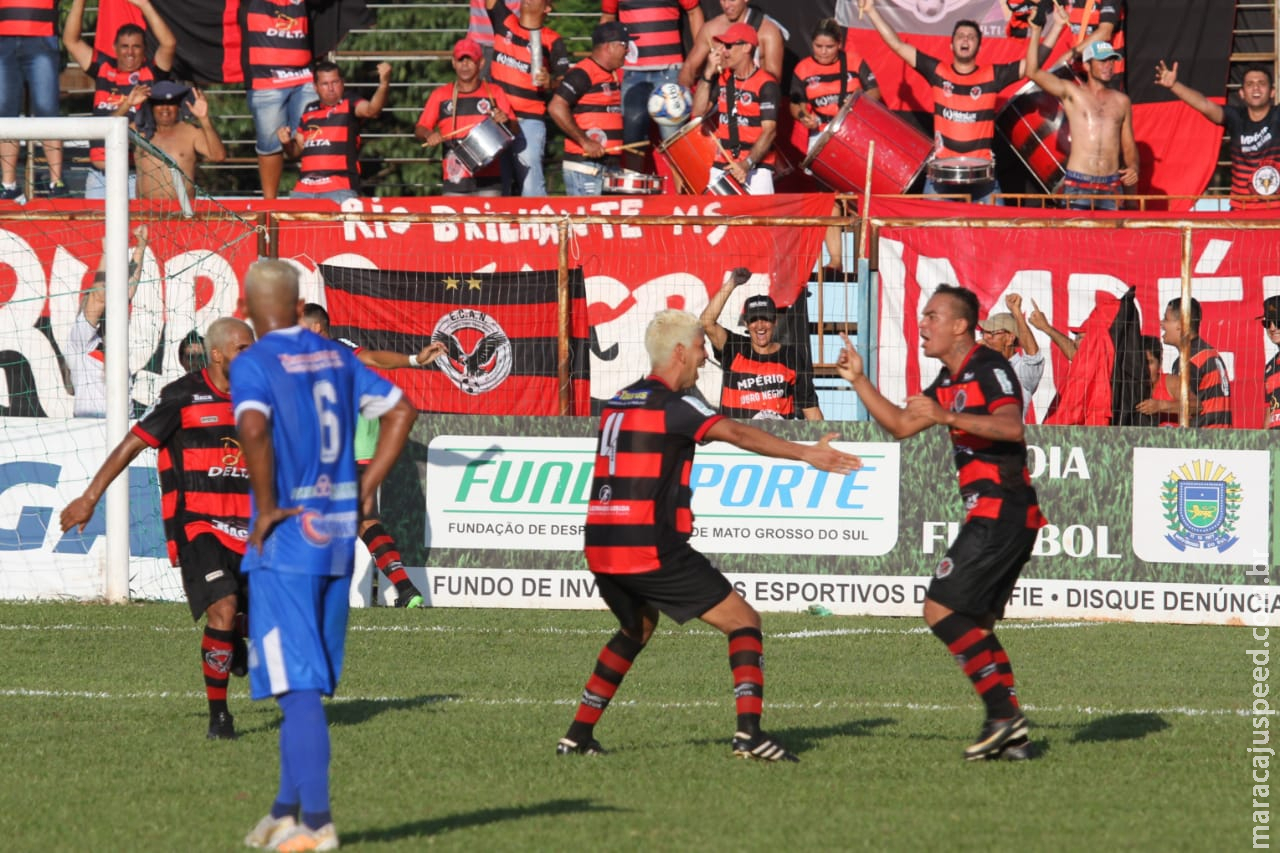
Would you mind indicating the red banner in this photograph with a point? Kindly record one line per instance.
(1062, 269)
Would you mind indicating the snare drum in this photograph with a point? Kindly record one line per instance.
(961, 171)
(482, 144)
(838, 157)
(691, 153)
(627, 182)
(1035, 126)
(725, 184)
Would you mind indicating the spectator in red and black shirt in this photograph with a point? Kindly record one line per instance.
(1210, 387)
(639, 523)
(762, 377)
(452, 111)
(587, 106)
(1254, 133)
(1271, 378)
(328, 136)
(115, 79)
(746, 100)
(654, 56)
(965, 94)
(205, 500)
(977, 397)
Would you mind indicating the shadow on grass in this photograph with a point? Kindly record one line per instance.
(342, 713)
(1120, 727)
(799, 738)
(480, 817)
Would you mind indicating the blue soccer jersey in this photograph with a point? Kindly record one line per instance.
(312, 390)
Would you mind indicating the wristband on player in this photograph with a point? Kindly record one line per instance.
(413, 360)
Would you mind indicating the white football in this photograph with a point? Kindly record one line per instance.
(670, 104)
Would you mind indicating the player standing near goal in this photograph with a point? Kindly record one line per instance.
(205, 498)
(381, 544)
(977, 397)
(296, 398)
(639, 523)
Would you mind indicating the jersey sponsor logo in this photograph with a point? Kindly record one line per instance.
(209, 419)
(1266, 181)
(1003, 378)
(944, 569)
(288, 27)
(605, 494)
(485, 363)
(959, 116)
(240, 533)
(213, 576)
(311, 137)
(700, 406)
(310, 362)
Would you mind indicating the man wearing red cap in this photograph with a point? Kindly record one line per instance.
(746, 98)
(771, 41)
(452, 111)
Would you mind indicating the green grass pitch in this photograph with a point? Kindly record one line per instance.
(445, 725)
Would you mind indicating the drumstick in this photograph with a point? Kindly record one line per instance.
(630, 146)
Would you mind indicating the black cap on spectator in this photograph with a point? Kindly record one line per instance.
(168, 92)
(1271, 309)
(609, 31)
(760, 307)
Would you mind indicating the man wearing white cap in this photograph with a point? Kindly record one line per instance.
(1005, 332)
(1104, 153)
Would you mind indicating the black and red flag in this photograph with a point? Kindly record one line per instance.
(500, 331)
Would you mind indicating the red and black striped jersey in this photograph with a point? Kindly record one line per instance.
(640, 508)
(755, 100)
(111, 87)
(204, 485)
(330, 146)
(1255, 157)
(595, 97)
(1104, 12)
(1271, 387)
(1019, 24)
(513, 61)
(994, 481)
(964, 105)
(654, 26)
(1209, 382)
(276, 46)
(756, 383)
(819, 86)
(37, 18)
(472, 108)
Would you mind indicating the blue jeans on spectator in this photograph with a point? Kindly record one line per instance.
(337, 196)
(527, 151)
(273, 109)
(95, 184)
(581, 183)
(637, 86)
(33, 60)
(980, 193)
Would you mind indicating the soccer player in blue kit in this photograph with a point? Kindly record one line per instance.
(296, 397)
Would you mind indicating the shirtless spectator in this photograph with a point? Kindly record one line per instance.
(1104, 154)
(180, 142)
(768, 55)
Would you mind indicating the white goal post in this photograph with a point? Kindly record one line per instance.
(114, 132)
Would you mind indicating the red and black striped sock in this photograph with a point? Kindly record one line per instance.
(1006, 672)
(746, 659)
(385, 553)
(612, 665)
(215, 656)
(975, 650)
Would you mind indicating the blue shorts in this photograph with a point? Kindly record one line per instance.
(297, 632)
(273, 109)
(35, 60)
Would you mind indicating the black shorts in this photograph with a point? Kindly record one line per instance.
(210, 572)
(978, 574)
(684, 587)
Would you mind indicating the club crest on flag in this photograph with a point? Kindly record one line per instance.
(1201, 506)
(478, 350)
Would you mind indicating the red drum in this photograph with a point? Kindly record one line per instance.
(1035, 126)
(691, 153)
(839, 155)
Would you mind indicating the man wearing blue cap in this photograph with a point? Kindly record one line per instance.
(1104, 153)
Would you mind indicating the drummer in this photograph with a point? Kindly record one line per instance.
(820, 86)
(745, 99)
(453, 110)
(963, 124)
(587, 106)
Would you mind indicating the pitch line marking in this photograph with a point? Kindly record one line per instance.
(517, 701)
